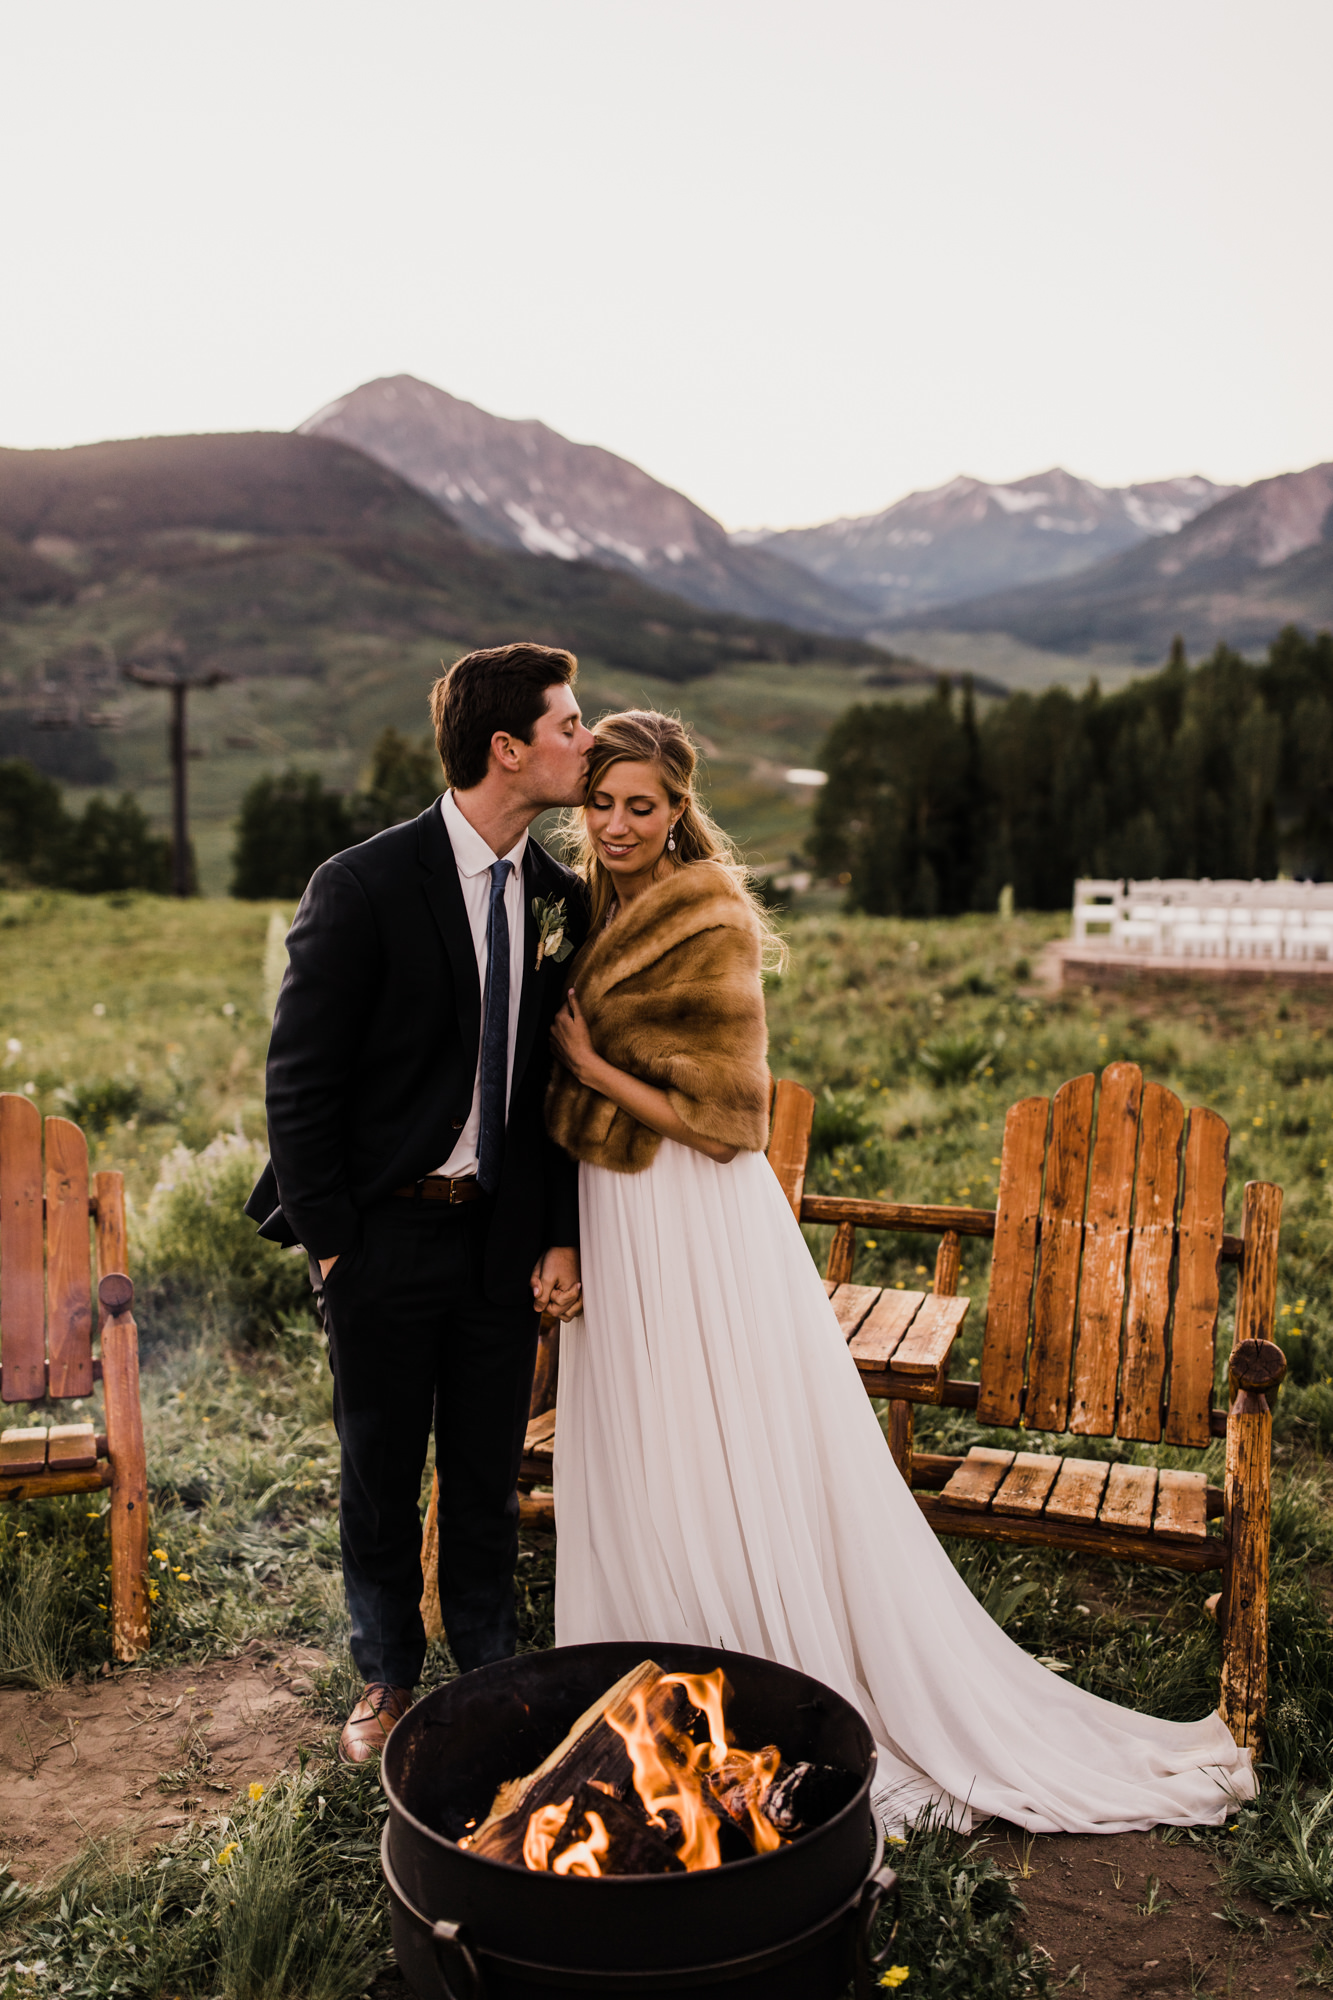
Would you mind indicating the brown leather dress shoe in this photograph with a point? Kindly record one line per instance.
(366, 1730)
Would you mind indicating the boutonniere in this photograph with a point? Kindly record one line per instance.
(551, 940)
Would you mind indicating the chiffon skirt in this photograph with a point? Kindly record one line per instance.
(721, 1480)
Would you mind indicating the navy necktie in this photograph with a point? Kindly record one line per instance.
(494, 1035)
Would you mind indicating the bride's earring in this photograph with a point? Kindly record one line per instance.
(671, 840)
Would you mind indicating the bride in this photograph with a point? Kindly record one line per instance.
(721, 1478)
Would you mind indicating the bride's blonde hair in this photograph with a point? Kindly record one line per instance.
(646, 736)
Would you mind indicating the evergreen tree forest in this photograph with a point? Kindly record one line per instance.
(1221, 770)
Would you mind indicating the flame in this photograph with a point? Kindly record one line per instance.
(541, 1833)
(685, 1788)
(583, 1857)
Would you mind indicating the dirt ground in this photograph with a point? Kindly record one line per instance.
(141, 1751)
(1091, 1904)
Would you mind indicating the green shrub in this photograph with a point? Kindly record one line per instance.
(201, 1266)
(101, 1103)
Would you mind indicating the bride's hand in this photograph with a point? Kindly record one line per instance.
(571, 1040)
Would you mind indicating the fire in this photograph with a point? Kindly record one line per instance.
(688, 1790)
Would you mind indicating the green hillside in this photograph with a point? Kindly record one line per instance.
(328, 591)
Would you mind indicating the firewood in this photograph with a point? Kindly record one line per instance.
(591, 1751)
(803, 1796)
(632, 1846)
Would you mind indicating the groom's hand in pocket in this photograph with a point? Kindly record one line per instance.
(556, 1288)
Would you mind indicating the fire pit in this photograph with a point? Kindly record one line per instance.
(788, 1924)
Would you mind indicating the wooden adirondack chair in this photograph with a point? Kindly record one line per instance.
(46, 1347)
(1101, 1322)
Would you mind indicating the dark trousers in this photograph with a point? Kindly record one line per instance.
(413, 1339)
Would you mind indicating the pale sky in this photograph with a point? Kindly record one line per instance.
(796, 257)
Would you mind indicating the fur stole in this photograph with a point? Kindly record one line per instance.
(671, 991)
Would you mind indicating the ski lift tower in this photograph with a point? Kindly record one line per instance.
(162, 662)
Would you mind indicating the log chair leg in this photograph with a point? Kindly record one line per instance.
(129, 1472)
(1256, 1369)
(431, 1616)
(900, 1437)
(842, 1254)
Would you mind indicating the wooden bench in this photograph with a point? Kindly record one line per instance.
(1101, 1322)
(47, 1214)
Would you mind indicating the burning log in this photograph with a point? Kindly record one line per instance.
(805, 1795)
(600, 1829)
(594, 1751)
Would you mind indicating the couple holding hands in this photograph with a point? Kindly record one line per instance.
(499, 1086)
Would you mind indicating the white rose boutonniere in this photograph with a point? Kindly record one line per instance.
(551, 940)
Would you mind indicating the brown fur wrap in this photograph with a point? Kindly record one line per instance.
(671, 992)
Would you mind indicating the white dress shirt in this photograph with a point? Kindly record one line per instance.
(475, 860)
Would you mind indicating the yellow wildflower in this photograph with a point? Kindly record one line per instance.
(256, 1792)
(895, 1975)
(227, 1852)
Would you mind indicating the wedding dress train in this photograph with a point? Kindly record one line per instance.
(721, 1480)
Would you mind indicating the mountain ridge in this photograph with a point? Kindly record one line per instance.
(519, 484)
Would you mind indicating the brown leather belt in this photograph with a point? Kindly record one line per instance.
(438, 1187)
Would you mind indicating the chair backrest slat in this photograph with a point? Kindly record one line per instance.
(1194, 1322)
(68, 1267)
(1150, 1265)
(1056, 1294)
(112, 1251)
(1009, 1310)
(789, 1141)
(1106, 1237)
(22, 1289)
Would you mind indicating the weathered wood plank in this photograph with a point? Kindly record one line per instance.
(49, 1485)
(1093, 1540)
(1182, 1504)
(1144, 1372)
(129, 1472)
(924, 1348)
(69, 1282)
(789, 1140)
(1130, 1492)
(539, 1440)
(22, 1276)
(23, 1450)
(1199, 1240)
(842, 1254)
(1106, 1238)
(851, 1304)
(900, 1437)
(974, 1484)
(71, 1447)
(1025, 1486)
(1056, 1291)
(1009, 1308)
(1077, 1493)
(879, 1334)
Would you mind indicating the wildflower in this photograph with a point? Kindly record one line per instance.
(99, 1009)
(895, 1975)
(227, 1852)
(256, 1793)
(160, 1555)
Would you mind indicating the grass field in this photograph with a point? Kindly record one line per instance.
(147, 1018)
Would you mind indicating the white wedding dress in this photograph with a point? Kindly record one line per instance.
(721, 1480)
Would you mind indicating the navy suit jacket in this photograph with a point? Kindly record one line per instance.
(373, 1055)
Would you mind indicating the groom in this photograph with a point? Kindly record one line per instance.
(406, 1079)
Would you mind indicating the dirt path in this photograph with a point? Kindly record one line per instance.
(1091, 1904)
(143, 1750)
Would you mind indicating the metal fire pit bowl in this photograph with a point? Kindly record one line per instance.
(791, 1925)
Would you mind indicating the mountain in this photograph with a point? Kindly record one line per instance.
(1257, 560)
(956, 541)
(522, 486)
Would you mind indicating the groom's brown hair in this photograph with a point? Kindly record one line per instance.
(494, 688)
